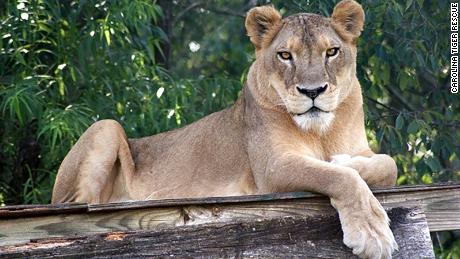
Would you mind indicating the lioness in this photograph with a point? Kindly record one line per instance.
(297, 126)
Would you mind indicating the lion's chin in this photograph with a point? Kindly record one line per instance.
(316, 121)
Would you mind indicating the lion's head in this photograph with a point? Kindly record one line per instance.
(306, 63)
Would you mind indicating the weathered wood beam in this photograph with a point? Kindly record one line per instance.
(288, 237)
(19, 224)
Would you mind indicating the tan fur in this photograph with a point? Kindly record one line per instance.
(262, 24)
(268, 141)
(348, 19)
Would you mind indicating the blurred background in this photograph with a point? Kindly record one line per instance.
(158, 65)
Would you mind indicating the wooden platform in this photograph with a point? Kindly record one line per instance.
(276, 225)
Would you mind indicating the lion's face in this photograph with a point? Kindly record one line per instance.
(307, 60)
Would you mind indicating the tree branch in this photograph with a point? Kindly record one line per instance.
(226, 11)
(222, 10)
(186, 10)
(401, 99)
(381, 104)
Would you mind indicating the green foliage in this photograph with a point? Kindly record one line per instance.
(447, 244)
(65, 65)
(406, 69)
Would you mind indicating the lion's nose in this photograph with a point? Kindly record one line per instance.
(312, 93)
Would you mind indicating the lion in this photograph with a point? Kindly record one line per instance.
(298, 125)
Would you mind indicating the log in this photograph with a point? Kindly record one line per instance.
(286, 237)
(20, 224)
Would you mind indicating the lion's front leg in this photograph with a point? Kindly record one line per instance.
(365, 225)
(364, 222)
(377, 170)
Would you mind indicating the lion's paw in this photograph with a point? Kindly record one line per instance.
(366, 230)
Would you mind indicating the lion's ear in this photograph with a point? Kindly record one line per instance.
(348, 19)
(261, 24)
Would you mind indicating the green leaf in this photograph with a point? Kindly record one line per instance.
(107, 35)
(120, 108)
(404, 81)
(399, 8)
(386, 74)
(413, 127)
(61, 86)
(399, 122)
(434, 164)
(409, 4)
(420, 3)
(401, 180)
(427, 179)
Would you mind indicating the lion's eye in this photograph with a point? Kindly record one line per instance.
(284, 55)
(332, 52)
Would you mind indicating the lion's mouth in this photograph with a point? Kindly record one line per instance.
(313, 111)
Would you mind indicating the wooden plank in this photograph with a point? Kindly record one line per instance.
(441, 206)
(379, 192)
(14, 211)
(305, 237)
(439, 203)
(43, 209)
(20, 230)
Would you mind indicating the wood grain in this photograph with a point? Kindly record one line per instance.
(20, 230)
(20, 224)
(287, 237)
